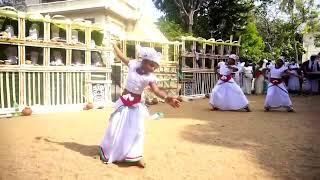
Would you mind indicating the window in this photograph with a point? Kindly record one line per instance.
(90, 19)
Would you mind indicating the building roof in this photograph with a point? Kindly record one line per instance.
(146, 30)
(119, 7)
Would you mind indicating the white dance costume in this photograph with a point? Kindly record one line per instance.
(277, 94)
(124, 138)
(226, 94)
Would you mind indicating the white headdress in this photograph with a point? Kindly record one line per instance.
(233, 56)
(149, 53)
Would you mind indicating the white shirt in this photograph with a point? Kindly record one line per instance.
(240, 65)
(136, 82)
(224, 70)
(293, 66)
(277, 73)
(247, 70)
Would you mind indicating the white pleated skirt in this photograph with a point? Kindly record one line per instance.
(314, 86)
(294, 83)
(124, 137)
(228, 96)
(277, 96)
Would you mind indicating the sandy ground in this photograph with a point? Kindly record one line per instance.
(190, 143)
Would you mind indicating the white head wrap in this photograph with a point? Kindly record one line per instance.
(149, 53)
(233, 56)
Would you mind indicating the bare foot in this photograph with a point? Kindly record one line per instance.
(291, 110)
(102, 158)
(247, 109)
(214, 109)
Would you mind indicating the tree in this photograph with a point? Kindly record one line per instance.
(302, 17)
(222, 18)
(252, 43)
(188, 9)
(171, 30)
(289, 6)
(283, 36)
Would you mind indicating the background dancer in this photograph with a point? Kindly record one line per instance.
(227, 94)
(277, 94)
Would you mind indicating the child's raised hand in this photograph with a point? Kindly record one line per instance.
(115, 43)
(174, 102)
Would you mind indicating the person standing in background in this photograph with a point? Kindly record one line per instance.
(266, 75)
(259, 77)
(294, 77)
(247, 77)
(309, 67)
(238, 73)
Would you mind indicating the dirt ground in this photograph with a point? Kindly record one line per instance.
(189, 143)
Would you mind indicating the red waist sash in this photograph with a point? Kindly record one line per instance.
(129, 100)
(225, 78)
(275, 81)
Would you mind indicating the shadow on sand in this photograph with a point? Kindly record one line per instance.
(273, 137)
(87, 150)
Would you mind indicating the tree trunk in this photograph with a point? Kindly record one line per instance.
(190, 28)
(190, 23)
(296, 49)
(294, 39)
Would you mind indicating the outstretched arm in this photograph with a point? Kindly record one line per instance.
(121, 56)
(161, 94)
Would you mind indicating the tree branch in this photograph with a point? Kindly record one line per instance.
(198, 5)
(181, 6)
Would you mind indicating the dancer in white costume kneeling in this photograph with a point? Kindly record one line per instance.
(124, 138)
(227, 94)
(277, 94)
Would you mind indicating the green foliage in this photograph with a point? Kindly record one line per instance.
(97, 36)
(277, 28)
(171, 30)
(253, 45)
(222, 18)
(283, 36)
